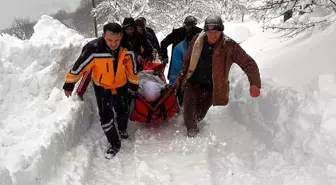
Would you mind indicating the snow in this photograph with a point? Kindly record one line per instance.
(285, 136)
(313, 56)
(238, 32)
(33, 135)
(5, 177)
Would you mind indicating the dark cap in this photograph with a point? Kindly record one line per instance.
(190, 21)
(142, 18)
(140, 22)
(213, 22)
(128, 21)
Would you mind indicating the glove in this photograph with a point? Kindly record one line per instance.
(67, 93)
(254, 91)
(177, 83)
(140, 59)
(163, 59)
(132, 93)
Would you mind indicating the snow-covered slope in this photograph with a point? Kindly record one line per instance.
(285, 136)
(37, 124)
(294, 62)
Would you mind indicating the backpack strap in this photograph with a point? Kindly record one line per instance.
(183, 49)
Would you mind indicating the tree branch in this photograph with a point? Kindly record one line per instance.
(333, 2)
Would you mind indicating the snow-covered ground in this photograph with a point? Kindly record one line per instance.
(286, 136)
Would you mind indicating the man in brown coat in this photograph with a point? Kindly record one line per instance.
(205, 71)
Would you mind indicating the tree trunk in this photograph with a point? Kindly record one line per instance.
(94, 20)
(288, 14)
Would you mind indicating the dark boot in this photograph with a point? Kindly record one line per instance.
(192, 132)
(123, 134)
(112, 151)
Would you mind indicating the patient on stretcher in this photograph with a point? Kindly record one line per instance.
(152, 88)
(155, 100)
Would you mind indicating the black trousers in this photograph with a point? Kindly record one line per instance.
(108, 105)
(196, 103)
(180, 95)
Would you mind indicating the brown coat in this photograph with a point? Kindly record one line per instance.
(226, 52)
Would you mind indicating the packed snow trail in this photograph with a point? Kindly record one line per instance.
(229, 150)
(160, 155)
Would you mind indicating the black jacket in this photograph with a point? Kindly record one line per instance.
(177, 36)
(154, 40)
(136, 43)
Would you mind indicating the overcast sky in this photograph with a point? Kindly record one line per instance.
(9, 9)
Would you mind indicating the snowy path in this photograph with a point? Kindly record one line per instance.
(223, 154)
(152, 155)
(250, 142)
(165, 156)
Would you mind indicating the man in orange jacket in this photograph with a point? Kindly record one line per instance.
(111, 68)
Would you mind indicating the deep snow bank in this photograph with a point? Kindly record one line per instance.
(294, 62)
(37, 122)
(241, 32)
(299, 127)
(5, 178)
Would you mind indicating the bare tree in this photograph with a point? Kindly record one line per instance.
(298, 15)
(116, 11)
(168, 14)
(22, 28)
(160, 14)
(297, 28)
(64, 17)
(175, 12)
(82, 19)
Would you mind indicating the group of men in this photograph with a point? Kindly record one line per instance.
(199, 70)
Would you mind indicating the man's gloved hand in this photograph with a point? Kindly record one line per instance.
(155, 53)
(140, 59)
(132, 93)
(149, 59)
(67, 93)
(177, 83)
(163, 60)
(133, 87)
(254, 91)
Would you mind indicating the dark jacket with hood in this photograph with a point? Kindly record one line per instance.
(155, 41)
(176, 37)
(148, 33)
(137, 43)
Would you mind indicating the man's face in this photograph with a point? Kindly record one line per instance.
(129, 30)
(140, 29)
(112, 39)
(188, 27)
(213, 36)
